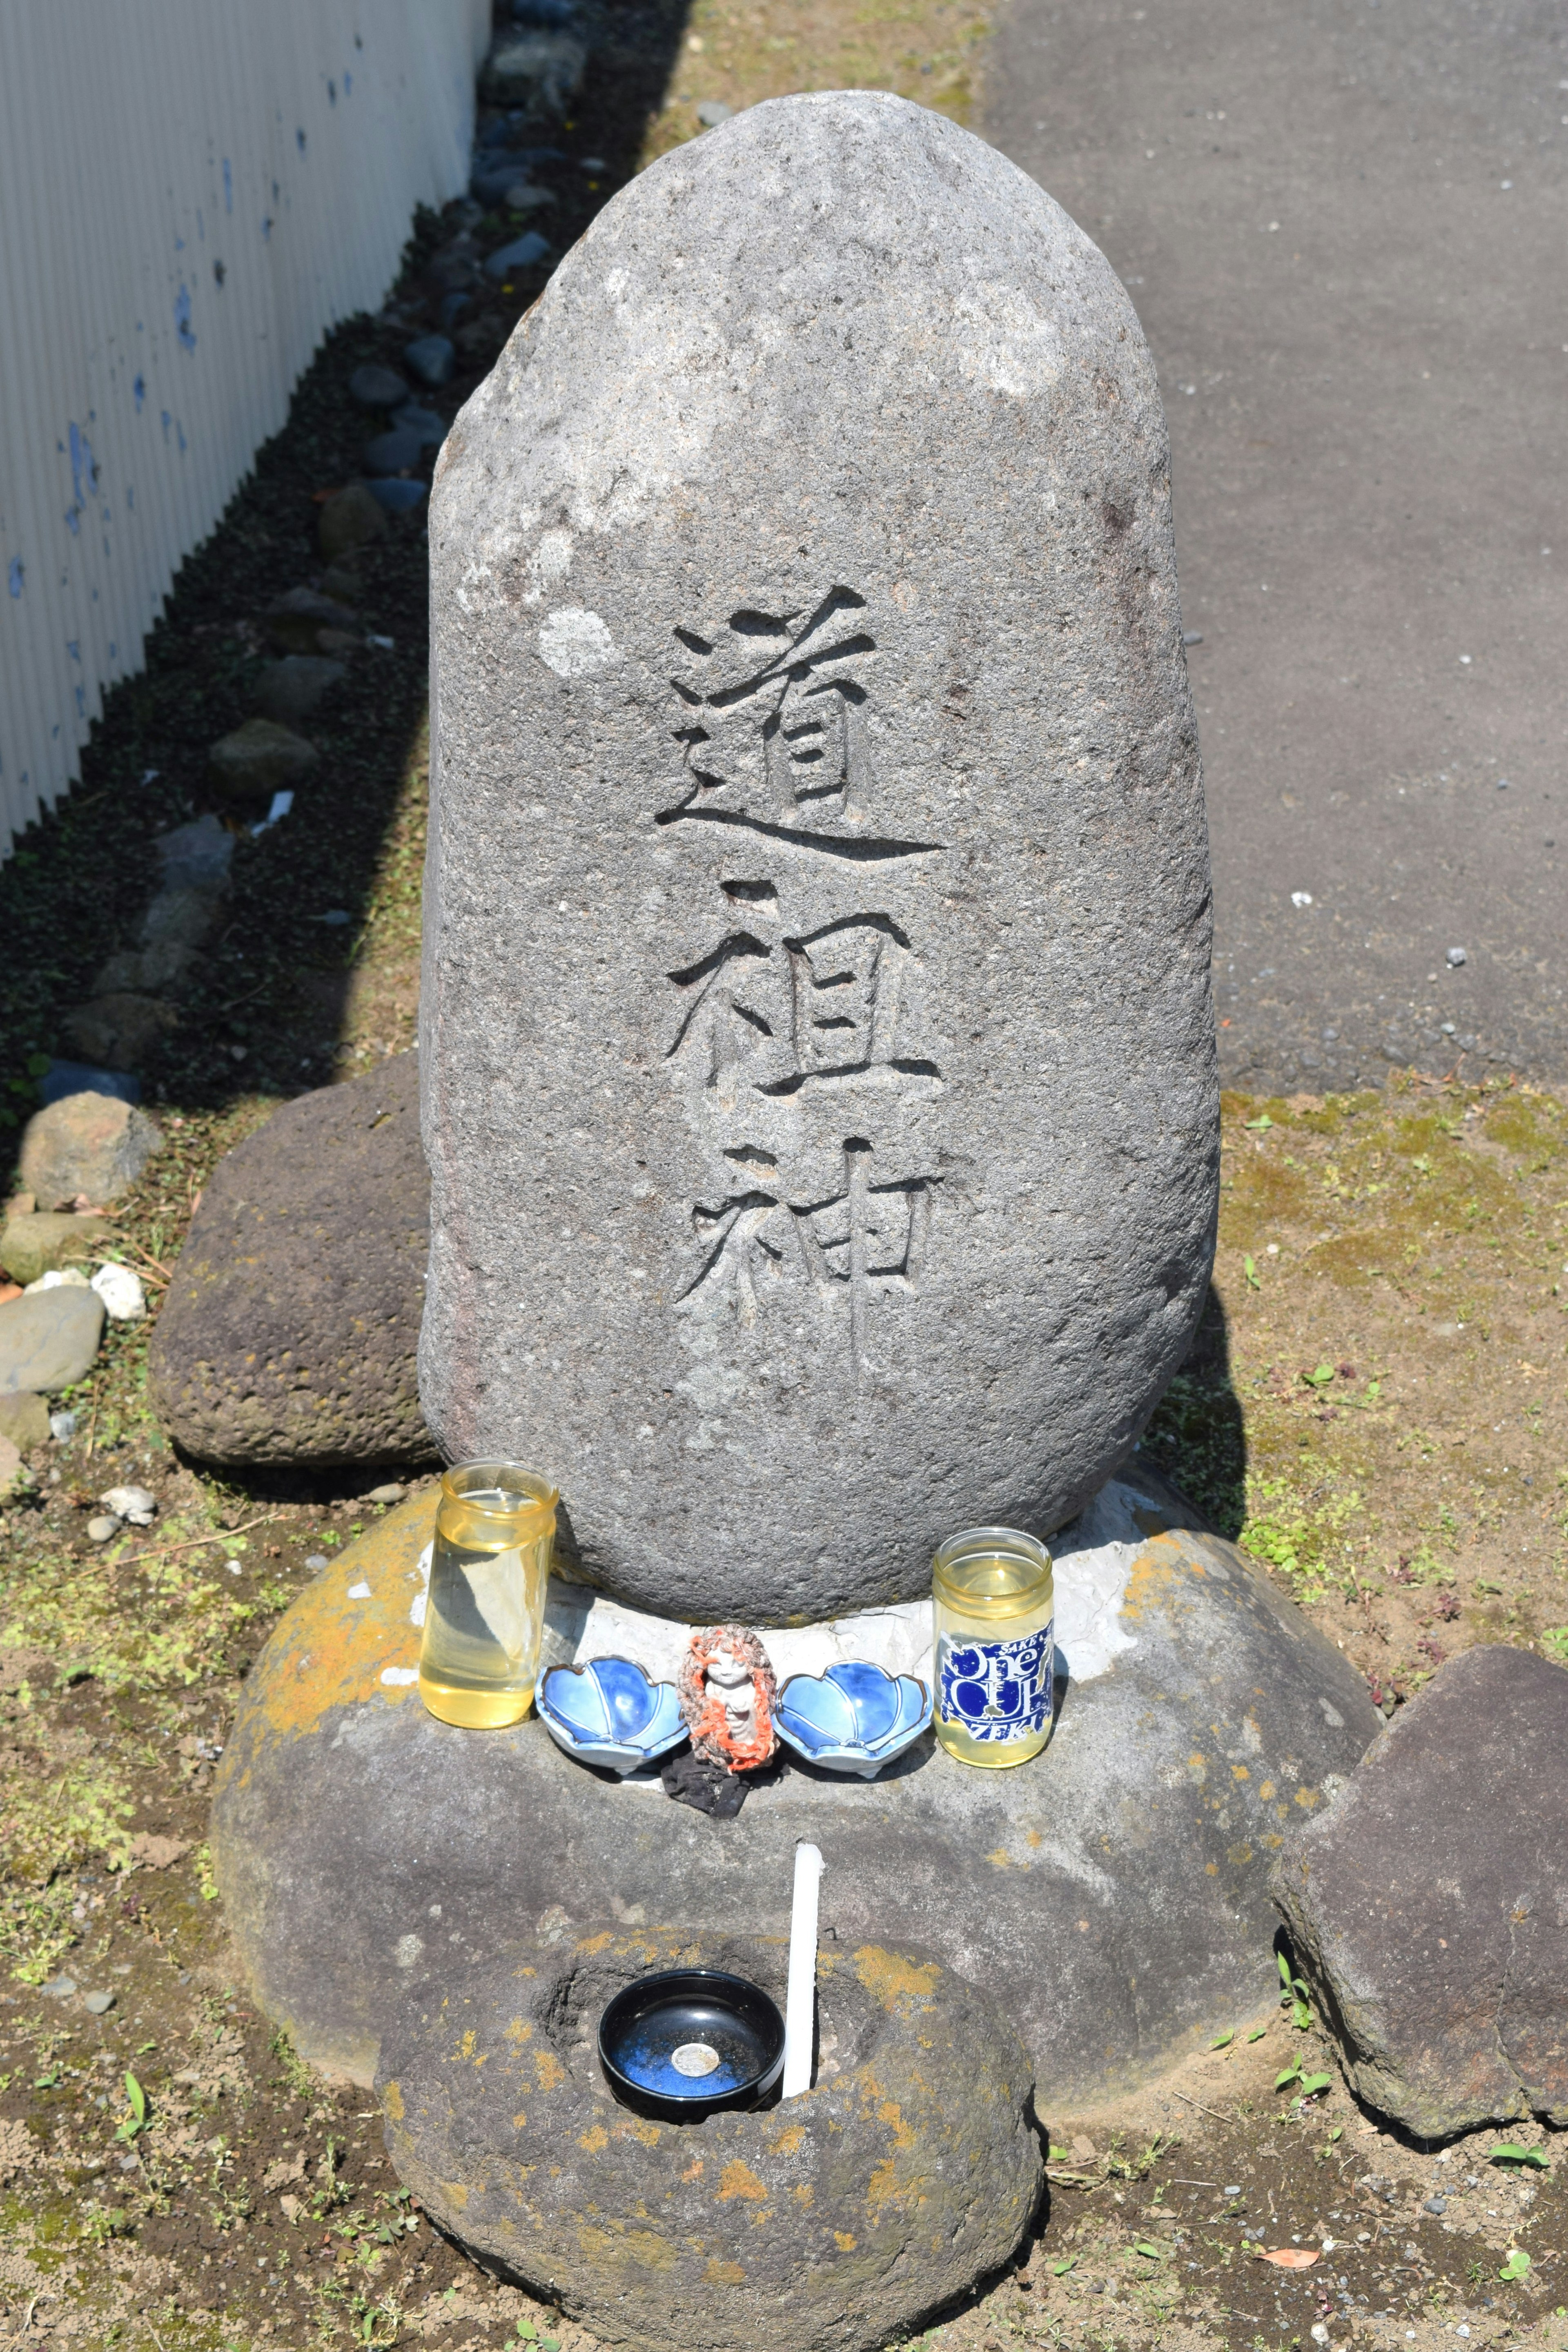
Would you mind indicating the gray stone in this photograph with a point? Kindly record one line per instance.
(376, 387)
(523, 253)
(294, 621)
(1428, 1907)
(98, 2004)
(520, 197)
(430, 428)
(290, 690)
(86, 1146)
(1111, 1897)
(176, 921)
(31, 1247)
(352, 519)
(48, 1339)
(119, 1027)
(25, 1420)
(196, 856)
(288, 1332)
(539, 71)
(713, 112)
(820, 1099)
(260, 757)
(432, 359)
(391, 453)
(910, 2169)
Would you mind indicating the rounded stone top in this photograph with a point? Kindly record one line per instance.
(817, 1052)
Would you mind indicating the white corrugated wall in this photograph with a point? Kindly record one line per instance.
(191, 192)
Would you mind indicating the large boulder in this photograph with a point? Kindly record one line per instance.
(289, 1330)
(1110, 1898)
(831, 2222)
(820, 1088)
(86, 1146)
(1428, 1907)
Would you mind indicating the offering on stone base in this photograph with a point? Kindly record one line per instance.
(609, 1713)
(855, 1718)
(818, 1051)
(683, 2043)
(993, 1612)
(495, 1526)
(728, 1696)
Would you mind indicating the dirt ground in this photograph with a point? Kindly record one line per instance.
(1374, 1407)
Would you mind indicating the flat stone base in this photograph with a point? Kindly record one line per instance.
(1111, 1898)
(831, 2222)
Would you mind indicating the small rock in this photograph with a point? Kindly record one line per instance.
(137, 1504)
(1400, 1897)
(343, 585)
(31, 1247)
(102, 1529)
(713, 113)
(150, 1851)
(350, 521)
(397, 495)
(121, 1027)
(336, 917)
(317, 1560)
(61, 1277)
(523, 197)
(62, 1427)
(376, 387)
(25, 1421)
(92, 1145)
(391, 1493)
(292, 621)
(287, 1333)
(432, 359)
(48, 1342)
(11, 1465)
(119, 1288)
(62, 1078)
(391, 453)
(1435, 2205)
(58, 1987)
(523, 252)
(1191, 636)
(98, 2004)
(290, 690)
(431, 428)
(259, 758)
(1456, 956)
(196, 856)
(539, 71)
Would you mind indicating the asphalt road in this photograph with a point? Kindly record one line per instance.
(1345, 228)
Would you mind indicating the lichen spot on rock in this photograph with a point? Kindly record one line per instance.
(888, 1978)
(392, 2103)
(737, 2179)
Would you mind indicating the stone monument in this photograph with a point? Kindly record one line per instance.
(817, 1060)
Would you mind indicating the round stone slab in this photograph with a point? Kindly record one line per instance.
(816, 1044)
(1111, 1897)
(833, 2221)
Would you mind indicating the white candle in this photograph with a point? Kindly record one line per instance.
(800, 2006)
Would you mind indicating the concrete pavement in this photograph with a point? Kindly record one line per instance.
(1344, 226)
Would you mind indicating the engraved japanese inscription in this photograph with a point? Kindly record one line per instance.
(799, 1052)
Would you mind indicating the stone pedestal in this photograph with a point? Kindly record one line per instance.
(1111, 1898)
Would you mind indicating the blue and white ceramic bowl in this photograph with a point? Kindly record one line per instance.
(854, 1718)
(606, 1712)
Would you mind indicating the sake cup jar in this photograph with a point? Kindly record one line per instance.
(495, 1530)
(993, 1603)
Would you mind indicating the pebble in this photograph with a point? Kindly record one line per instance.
(349, 522)
(336, 917)
(1191, 636)
(290, 690)
(62, 1427)
(1435, 2205)
(523, 252)
(317, 1559)
(195, 856)
(260, 757)
(137, 1504)
(713, 113)
(397, 493)
(58, 1277)
(391, 1493)
(58, 1987)
(523, 198)
(377, 387)
(98, 2004)
(432, 359)
(1456, 956)
(431, 428)
(119, 1288)
(393, 452)
(101, 1530)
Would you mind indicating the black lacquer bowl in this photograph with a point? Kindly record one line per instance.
(689, 2042)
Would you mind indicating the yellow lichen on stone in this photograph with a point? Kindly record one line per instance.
(520, 2029)
(600, 1943)
(392, 2103)
(328, 1651)
(888, 1978)
(551, 2073)
(892, 2115)
(637, 2127)
(725, 2273)
(843, 2242)
(519, 2119)
(457, 2190)
(595, 2140)
(737, 2179)
(1307, 1798)
(1000, 1859)
(465, 2048)
(789, 2139)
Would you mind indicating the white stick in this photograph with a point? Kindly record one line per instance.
(800, 2007)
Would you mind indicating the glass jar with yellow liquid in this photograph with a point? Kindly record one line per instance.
(495, 1528)
(993, 1599)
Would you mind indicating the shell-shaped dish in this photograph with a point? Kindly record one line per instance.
(607, 1712)
(854, 1718)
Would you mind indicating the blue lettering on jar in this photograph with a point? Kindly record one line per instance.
(996, 1690)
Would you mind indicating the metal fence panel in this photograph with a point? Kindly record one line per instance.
(191, 192)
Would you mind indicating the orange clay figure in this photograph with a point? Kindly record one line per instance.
(727, 1697)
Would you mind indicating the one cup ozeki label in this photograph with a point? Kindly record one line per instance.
(996, 1690)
